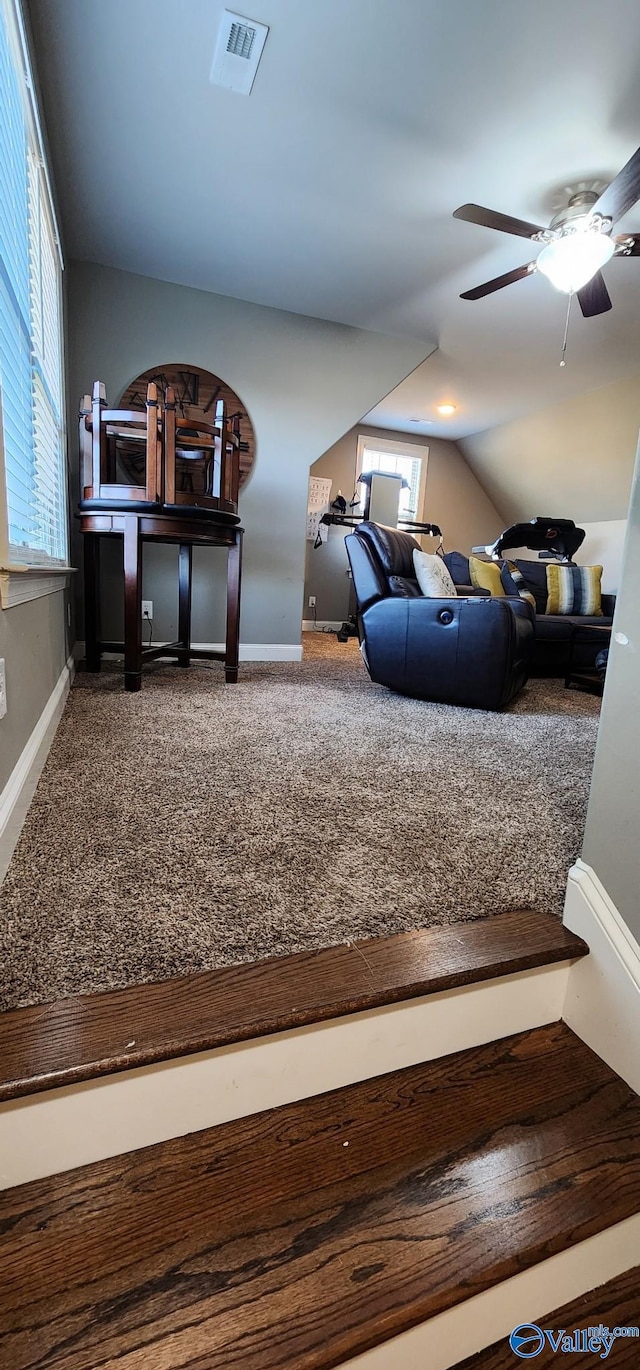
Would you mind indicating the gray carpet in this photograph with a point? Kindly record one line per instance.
(194, 825)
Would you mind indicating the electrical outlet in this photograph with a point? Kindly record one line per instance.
(3, 690)
(312, 601)
(147, 608)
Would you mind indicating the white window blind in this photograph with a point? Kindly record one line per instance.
(31, 388)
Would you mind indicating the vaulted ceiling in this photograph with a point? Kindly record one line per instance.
(329, 191)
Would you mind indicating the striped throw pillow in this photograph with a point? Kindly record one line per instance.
(574, 590)
(514, 582)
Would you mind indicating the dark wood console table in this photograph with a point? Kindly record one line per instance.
(135, 529)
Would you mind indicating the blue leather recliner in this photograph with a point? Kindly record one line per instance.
(473, 651)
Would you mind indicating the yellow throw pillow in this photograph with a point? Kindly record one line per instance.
(574, 590)
(485, 575)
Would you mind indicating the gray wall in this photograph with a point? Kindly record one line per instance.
(454, 499)
(574, 460)
(304, 383)
(612, 837)
(33, 642)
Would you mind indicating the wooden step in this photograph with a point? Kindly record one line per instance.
(300, 1238)
(615, 1304)
(101, 1075)
(72, 1040)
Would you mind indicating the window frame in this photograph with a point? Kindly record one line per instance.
(28, 576)
(398, 448)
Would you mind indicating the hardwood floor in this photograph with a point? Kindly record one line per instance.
(616, 1304)
(98, 1034)
(297, 1238)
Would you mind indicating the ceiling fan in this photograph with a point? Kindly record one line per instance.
(576, 244)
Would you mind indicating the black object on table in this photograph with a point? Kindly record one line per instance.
(587, 677)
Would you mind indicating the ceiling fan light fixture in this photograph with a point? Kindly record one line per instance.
(571, 260)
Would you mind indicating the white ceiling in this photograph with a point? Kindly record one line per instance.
(329, 191)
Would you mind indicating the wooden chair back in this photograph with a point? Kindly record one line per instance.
(101, 430)
(214, 446)
(158, 444)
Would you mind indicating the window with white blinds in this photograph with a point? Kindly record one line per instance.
(31, 388)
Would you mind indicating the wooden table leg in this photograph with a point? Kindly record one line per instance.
(132, 603)
(234, 574)
(92, 601)
(184, 601)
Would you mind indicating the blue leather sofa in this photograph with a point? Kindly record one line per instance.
(473, 650)
(553, 632)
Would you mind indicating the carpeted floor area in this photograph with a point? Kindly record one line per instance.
(195, 824)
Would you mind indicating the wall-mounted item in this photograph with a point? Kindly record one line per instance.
(196, 394)
(317, 505)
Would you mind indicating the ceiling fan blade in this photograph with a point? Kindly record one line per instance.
(623, 192)
(489, 218)
(594, 297)
(499, 282)
(633, 251)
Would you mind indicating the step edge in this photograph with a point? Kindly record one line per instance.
(268, 1026)
(419, 1313)
(564, 1315)
(62, 1129)
(618, 1243)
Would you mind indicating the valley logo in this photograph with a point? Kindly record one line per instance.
(528, 1340)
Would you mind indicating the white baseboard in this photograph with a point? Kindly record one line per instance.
(20, 787)
(309, 625)
(258, 651)
(443, 1341)
(75, 1125)
(603, 994)
(249, 651)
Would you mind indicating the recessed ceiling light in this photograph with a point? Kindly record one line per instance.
(446, 409)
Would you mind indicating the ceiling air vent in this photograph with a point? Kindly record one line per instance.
(241, 40)
(238, 51)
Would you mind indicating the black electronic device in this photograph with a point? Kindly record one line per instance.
(549, 537)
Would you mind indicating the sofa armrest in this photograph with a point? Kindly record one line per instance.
(522, 608)
(608, 605)
(468, 651)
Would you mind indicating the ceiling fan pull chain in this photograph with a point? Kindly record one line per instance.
(566, 332)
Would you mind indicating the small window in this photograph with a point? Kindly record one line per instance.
(396, 459)
(31, 359)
